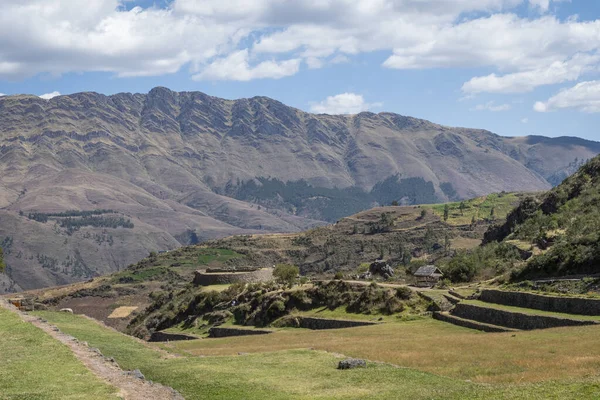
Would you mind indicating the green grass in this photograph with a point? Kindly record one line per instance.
(297, 373)
(33, 365)
(479, 207)
(141, 275)
(531, 311)
(210, 255)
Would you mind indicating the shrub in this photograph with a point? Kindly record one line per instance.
(276, 310)
(462, 268)
(286, 274)
(404, 293)
(339, 275)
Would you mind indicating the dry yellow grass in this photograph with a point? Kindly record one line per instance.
(439, 348)
(465, 243)
(122, 312)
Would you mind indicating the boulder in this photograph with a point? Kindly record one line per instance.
(136, 373)
(382, 268)
(67, 310)
(351, 363)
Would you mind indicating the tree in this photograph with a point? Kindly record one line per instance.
(462, 268)
(286, 274)
(462, 208)
(395, 203)
(492, 212)
(446, 212)
(423, 213)
(193, 236)
(446, 243)
(429, 239)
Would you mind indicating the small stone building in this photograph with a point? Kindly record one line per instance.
(428, 276)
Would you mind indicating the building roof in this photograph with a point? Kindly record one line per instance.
(428, 270)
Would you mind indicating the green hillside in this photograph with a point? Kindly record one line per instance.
(558, 233)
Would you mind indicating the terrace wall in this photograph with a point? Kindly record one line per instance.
(513, 319)
(567, 305)
(202, 278)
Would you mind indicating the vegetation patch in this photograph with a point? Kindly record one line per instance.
(562, 224)
(331, 204)
(262, 304)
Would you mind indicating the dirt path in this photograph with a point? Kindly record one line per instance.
(391, 285)
(130, 387)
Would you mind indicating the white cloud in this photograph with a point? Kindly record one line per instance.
(344, 103)
(2, 94)
(236, 67)
(254, 39)
(491, 106)
(543, 5)
(48, 96)
(526, 81)
(524, 120)
(585, 96)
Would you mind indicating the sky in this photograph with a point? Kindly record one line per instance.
(514, 67)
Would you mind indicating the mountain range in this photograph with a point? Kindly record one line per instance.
(165, 168)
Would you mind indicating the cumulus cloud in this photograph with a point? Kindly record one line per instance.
(236, 67)
(526, 81)
(585, 96)
(524, 120)
(48, 96)
(254, 39)
(344, 103)
(492, 106)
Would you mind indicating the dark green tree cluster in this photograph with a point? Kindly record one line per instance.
(331, 204)
(43, 217)
(74, 224)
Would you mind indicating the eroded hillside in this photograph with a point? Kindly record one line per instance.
(187, 167)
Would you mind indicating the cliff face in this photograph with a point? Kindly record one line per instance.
(178, 164)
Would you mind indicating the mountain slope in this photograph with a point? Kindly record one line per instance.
(187, 166)
(562, 226)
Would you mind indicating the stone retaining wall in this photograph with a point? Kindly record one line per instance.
(468, 323)
(226, 332)
(321, 323)
(164, 337)
(514, 320)
(567, 305)
(203, 278)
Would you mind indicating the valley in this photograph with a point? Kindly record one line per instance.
(186, 167)
(493, 296)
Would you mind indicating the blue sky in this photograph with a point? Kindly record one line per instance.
(515, 67)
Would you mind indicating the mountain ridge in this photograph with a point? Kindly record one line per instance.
(184, 165)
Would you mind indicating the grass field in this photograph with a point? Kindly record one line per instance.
(479, 207)
(298, 373)
(35, 366)
(439, 348)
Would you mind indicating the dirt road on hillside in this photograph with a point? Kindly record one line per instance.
(130, 387)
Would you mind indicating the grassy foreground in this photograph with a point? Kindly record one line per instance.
(35, 366)
(297, 373)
